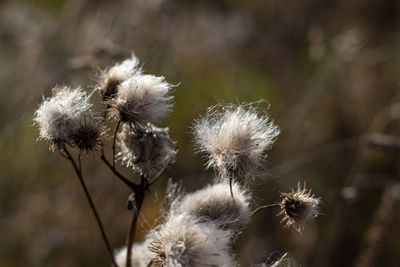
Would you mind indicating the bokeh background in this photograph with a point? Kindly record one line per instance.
(328, 71)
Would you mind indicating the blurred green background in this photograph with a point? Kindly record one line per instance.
(327, 69)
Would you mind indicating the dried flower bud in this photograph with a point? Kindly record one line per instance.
(298, 206)
(141, 99)
(146, 149)
(88, 136)
(235, 140)
(214, 203)
(182, 242)
(60, 116)
(114, 76)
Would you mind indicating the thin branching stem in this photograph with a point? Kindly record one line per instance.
(155, 178)
(129, 183)
(114, 140)
(78, 170)
(257, 210)
(138, 201)
(230, 187)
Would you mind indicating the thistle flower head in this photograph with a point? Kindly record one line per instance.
(298, 206)
(182, 241)
(214, 204)
(60, 117)
(112, 77)
(142, 99)
(146, 149)
(87, 136)
(235, 140)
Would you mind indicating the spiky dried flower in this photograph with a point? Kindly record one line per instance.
(141, 99)
(214, 204)
(146, 149)
(111, 78)
(298, 207)
(88, 136)
(65, 117)
(182, 241)
(235, 139)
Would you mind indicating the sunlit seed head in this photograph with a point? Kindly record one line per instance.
(114, 76)
(146, 149)
(214, 203)
(59, 116)
(235, 139)
(142, 255)
(141, 99)
(182, 241)
(298, 207)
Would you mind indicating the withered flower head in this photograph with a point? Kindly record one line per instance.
(298, 206)
(146, 149)
(141, 99)
(88, 135)
(235, 139)
(111, 78)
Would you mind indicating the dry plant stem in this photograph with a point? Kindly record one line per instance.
(139, 197)
(257, 210)
(155, 178)
(230, 187)
(114, 140)
(78, 170)
(130, 184)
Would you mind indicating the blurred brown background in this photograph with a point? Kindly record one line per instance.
(329, 70)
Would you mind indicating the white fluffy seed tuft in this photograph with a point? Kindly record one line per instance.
(60, 117)
(183, 241)
(142, 255)
(120, 72)
(235, 140)
(142, 99)
(214, 203)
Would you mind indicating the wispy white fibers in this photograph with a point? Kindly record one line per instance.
(146, 149)
(61, 116)
(214, 203)
(141, 99)
(120, 72)
(142, 255)
(182, 241)
(235, 139)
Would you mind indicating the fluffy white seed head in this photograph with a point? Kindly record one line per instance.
(60, 117)
(142, 255)
(114, 76)
(235, 139)
(214, 203)
(183, 241)
(146, 149)
(142, 99)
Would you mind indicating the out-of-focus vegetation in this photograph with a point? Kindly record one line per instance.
(328, 69)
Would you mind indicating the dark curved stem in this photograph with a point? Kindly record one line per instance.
(78, 170)
(230, 187)
(257, 210)
(155, 178)
(129, 183)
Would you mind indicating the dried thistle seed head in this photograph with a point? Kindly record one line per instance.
(114, 76)
(142, 99)
(88, 136)
(298, 206)
(142, 255)
(182, 241)
(214, 204)
(235, 139)
(59, 117)
(146, 149)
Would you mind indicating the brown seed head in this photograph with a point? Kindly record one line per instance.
(297, 207)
